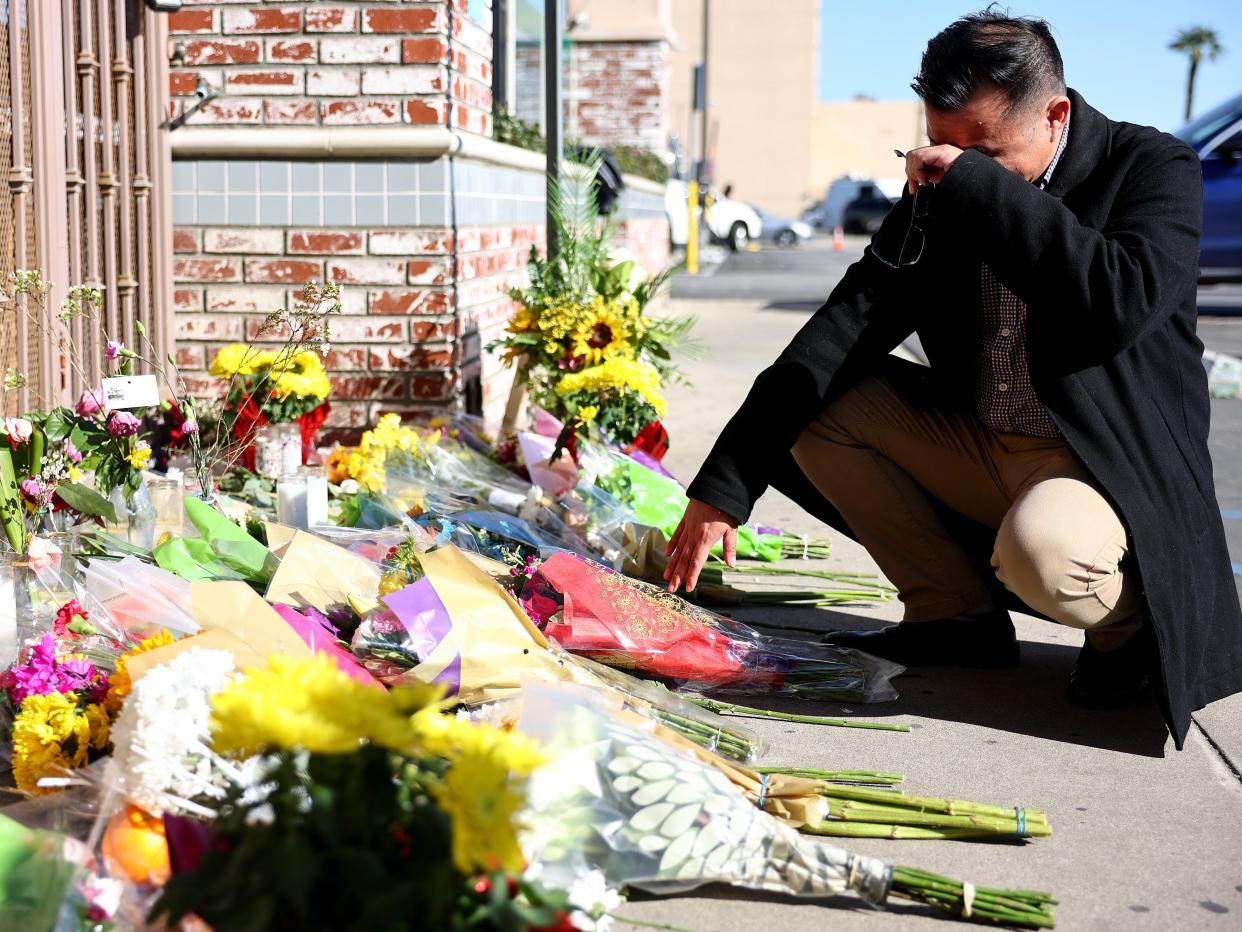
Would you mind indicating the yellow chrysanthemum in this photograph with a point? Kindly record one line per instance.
(588, 413)
(482, 805)
(311, 703)
(367, 463)
(120, 683)
(602, 332)
(302, 375)
(138, 457)
(239, 359)
(450, 737)
(481, 791)
(617, 374)
(48, 736)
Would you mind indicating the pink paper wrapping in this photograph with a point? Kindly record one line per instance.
(321, 642)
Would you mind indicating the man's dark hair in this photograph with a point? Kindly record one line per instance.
(990, 49)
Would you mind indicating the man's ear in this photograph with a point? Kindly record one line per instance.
(1056, 113)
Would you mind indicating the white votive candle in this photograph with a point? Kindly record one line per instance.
(291, 501)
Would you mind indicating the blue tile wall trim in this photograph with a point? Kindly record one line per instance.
(377, 193)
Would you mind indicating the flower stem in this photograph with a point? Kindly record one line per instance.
(729, 707)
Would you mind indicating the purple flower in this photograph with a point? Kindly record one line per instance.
(43, 674)
(113, 349)
(72, 453)
(122, 424)
(189, 427)
(32, 488)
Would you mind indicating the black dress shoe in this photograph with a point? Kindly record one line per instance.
(1114, 678)
(965, 641)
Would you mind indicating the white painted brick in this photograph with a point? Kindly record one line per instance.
(411, 79)
(252, 242)
(348, 50)
(333, 82)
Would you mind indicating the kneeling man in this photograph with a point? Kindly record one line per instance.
(1047, 258)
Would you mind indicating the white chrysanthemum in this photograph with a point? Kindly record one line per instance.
(162, 734)
(594, 902)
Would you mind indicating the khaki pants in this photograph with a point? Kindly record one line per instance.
(1059, 544)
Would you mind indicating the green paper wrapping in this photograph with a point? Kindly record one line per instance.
(659, 502)
(34, 876)
(11, 504)
(231, 544)
(224, 550)
(193, 560)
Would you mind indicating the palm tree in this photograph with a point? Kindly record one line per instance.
(1196, 42)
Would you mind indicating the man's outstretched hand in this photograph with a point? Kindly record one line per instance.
(701, 526)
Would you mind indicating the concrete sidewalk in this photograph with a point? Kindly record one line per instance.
(1144, 837)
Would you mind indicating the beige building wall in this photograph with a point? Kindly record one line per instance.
(858, 137)
(769, 136)
(762, 80)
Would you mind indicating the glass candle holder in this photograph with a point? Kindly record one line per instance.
(290, 449)
(268, 451)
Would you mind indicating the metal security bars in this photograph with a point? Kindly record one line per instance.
(85, 85)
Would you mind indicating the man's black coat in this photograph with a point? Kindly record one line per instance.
(1106, 259)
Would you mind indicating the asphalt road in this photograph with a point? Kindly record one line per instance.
(798, 279)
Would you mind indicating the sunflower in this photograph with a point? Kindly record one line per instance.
(603, 331)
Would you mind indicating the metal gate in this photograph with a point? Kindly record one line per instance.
(86, 145)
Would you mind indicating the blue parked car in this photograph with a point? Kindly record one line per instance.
(1217, 138)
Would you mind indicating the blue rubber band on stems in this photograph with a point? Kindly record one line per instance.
(1020, 814)
(763, 789)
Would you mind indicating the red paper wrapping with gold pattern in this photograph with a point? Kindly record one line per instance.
(591, 610)
(607, 617)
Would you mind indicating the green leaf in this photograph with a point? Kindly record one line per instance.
(86, 501)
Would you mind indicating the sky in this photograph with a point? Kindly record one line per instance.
(1115, 51)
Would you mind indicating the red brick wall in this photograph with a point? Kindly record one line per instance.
(406, 340)
(619, 92)
(334, 64)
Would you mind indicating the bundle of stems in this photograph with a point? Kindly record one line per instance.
(722, 708)
(1026, 908)
(805, 548)
(861, 777)
(726, 743)
(857, 812)
(864, 587)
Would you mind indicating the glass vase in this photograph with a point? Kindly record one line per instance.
(16, 610)
(135, 516)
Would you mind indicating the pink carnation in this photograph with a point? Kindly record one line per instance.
(113, 349)
(18, 430)
(122, 424)
(91, 402)
(32, 488)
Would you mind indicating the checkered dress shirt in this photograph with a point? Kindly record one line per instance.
(1004, 396)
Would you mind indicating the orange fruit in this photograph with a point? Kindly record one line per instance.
(134, 847)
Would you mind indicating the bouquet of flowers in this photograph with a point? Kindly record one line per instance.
(60, 715)
(272, 387)
(595, 611)
(580, 338)
(355, 807)
(617, 799)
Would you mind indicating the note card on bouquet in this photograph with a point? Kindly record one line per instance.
(130, 391)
